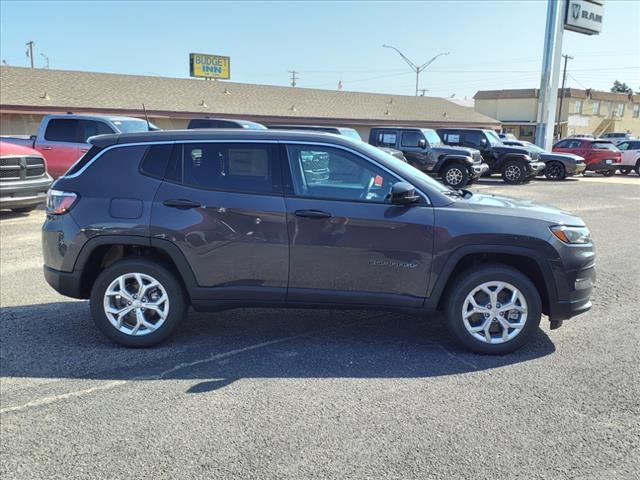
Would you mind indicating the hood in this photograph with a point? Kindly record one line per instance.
(512, 149)
(546, 156)
(10, 149)
(499, 205)
(467, 152)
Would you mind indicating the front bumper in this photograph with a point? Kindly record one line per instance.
(24, 193)
(535, 167)
(476, 170)
(575, 168)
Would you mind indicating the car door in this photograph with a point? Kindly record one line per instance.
(477, 139)
(416, 155)
(222, 205)
(60, 144)
(348, 244)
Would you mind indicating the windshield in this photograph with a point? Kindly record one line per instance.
(351, 133)
(411, 174)
(534, 147)
(133, 126)
(252, 125)
(432, 137)
(493, 138)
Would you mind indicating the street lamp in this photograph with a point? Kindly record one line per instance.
(413, 66)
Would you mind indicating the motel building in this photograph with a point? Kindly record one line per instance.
(583, 111)
(26, 95)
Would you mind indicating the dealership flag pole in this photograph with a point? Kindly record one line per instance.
(550, 73)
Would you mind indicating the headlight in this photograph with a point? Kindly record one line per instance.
(571, 235)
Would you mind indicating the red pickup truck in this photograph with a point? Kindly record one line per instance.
(62, 139)
(601, 156)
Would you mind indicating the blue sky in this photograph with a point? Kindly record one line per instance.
(492, 44)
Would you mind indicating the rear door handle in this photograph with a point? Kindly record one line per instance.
(312, 214)
(45, 147)
(181, 204)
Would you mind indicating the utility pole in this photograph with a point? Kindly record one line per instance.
(30, 45)
(564, 81)
(46, 59)
(413, 66)
(293, 77)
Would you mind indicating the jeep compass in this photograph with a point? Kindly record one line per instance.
(146, 225)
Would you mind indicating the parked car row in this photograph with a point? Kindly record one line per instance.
(456, 156)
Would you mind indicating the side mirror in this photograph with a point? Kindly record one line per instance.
(403, 193)
(422, 143)
(483, 143)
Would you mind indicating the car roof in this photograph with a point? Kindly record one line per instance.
(219, 134)
(92, 117)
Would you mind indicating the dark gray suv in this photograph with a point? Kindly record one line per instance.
(147, 224)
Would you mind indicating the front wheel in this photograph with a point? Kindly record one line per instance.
(493, 309)
(455, 175)
(513, 172)
(609, 173)
(555, 171)
(137, 302)
(625, 171)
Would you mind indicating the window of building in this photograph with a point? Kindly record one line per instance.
(577, 107)
(595, 108)
(326, 172)
(636, 111)
(248, 168)
(620, 110)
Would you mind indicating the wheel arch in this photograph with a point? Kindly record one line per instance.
(526, 261)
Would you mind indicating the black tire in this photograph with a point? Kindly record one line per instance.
(514, 172)
(609, 173)
(638, 168)
(625, 171)
(24, 209)
(168, 280)
(466, 282)
(555, 171)
(453, 172)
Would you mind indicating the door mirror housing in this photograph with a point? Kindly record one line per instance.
(422, 143)
(403, 193)
(483, 143)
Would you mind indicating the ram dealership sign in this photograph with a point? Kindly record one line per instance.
(584, 16)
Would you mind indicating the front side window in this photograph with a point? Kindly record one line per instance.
(474, 139)
(249, 168)
(333, 173)
(91, 128)
(623, 146)
(63, 130)
(411, 139)
(574, 143)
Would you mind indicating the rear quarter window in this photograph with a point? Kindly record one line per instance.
(155, 160)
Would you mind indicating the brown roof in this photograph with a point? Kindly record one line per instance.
(568, 93)
(26, 89)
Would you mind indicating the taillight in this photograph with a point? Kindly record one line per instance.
(59, 202)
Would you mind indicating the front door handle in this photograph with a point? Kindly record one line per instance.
(312, 214)
(46, 147)
(181, 204)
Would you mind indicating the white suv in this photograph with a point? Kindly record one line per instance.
(630, 156)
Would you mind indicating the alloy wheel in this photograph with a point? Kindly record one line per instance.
(513, 173)
(136, 304)
(454, 176)
(494, 312)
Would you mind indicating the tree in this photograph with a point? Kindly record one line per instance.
(621, 87)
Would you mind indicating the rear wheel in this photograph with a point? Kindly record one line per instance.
(638, 167)
(555, 171)
(513, 172)
(493, 309)
(625, 171)
(455, 175)
(609, 173)
(137, 302)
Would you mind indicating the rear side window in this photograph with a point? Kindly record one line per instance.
(155, 161)
(410, 139)
(249, 168)
(387, 139)
(603, 145)
(450, 137)
(63, 130)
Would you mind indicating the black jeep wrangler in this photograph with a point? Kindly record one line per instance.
(515, 164)
(423, 149)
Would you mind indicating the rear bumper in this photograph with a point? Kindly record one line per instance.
(24, 193)
(65, 283)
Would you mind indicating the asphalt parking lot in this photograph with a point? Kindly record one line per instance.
(325, 394)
